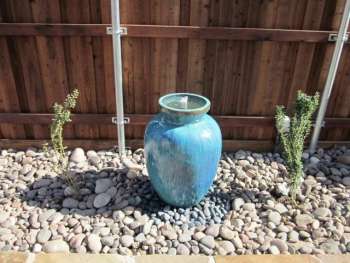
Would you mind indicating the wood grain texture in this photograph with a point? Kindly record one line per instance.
(246, 56)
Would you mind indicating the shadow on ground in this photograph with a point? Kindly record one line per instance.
(50, 193)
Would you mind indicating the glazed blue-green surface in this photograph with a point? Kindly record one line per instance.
(182, 153)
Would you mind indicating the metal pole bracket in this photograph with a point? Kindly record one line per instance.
(333, 37)
(323, 124)
(123, 31)
(126, 120)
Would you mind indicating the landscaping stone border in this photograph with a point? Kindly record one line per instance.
(18, 257)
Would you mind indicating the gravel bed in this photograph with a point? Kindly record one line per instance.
(247, 210)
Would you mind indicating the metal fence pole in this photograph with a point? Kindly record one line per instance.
(118, 82)
(341, 38)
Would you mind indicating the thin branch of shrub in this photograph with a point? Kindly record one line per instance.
(62, 116)
(293, 135)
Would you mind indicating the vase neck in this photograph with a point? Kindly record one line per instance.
(180, 119)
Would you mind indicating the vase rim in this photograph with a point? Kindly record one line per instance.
(171, 103)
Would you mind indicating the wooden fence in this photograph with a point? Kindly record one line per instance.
(246, 56)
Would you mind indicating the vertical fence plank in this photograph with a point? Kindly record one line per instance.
(9, 101)
(80, 64)
(51, 57)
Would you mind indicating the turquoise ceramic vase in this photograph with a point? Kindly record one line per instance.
(182, 149)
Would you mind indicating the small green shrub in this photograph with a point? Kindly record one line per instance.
(292, 138)
(62, 115)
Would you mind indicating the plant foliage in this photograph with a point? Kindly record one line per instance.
(62, 115)
(293, 132)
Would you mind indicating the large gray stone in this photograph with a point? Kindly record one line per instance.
(101, 200)
(70, 203)
(102, 185)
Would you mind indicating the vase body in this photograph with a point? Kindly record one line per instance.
(182, 151)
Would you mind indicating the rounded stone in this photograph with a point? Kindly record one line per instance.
(182, 250)
(94, 243)
(118, 215)
(78, 155)
(293, 236)
(227, 233)
(274, 217)
(322, 213)
(70, 203)
(172, 251)
(101, 200)
(227, 246)
(185, 237)
(213, 230)
(208, 241)
(103, 185)
(127, 240)
(346, 181)
(37, 248)
(274, 250)
(303, 220)
(76, 241)
(55, 246)
(282, 246)
(107, 241)
(238, 203)
(43, 236)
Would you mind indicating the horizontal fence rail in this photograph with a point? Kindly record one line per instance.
(161, 31)
(143, 119)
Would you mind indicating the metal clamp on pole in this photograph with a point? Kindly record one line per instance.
(123, 31)
(323, 124)
(333, 37)
(126, 120)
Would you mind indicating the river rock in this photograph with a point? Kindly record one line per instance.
(303, 220)
(78, 155)
(43, 235)
(213, 230)
(182, 250)
(70, 203)
(346, 181)
(275, 218)
(208, 241)
(127, 240)
(101, 200)
(102, 185)
(331, 247)
(238, 203)
(227, 233)
(55, 246)
(94, 243)
(322, 213)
